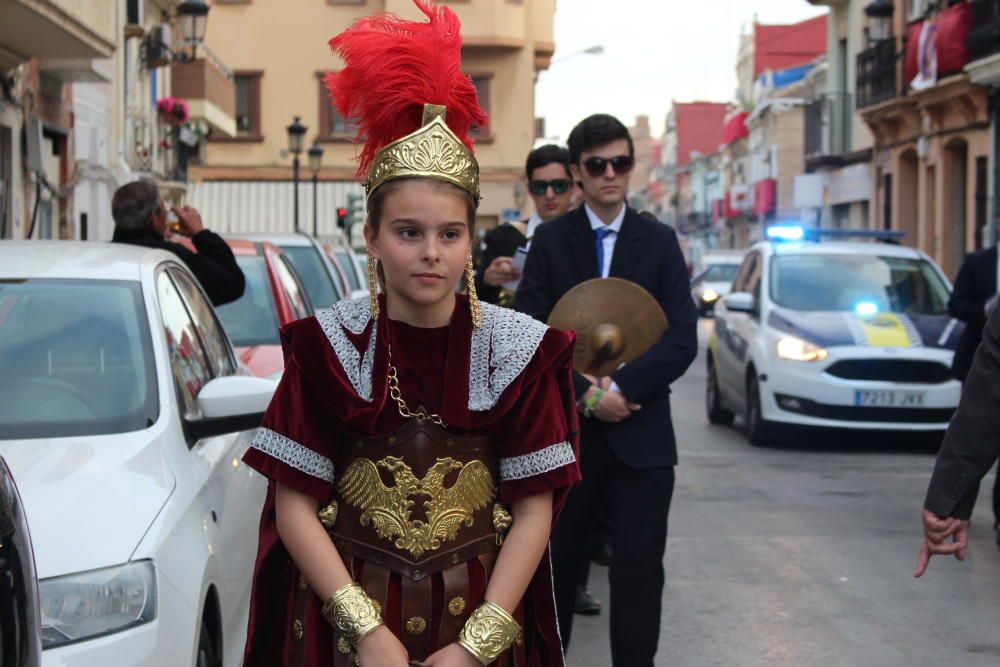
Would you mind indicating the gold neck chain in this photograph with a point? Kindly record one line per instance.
(397, 396)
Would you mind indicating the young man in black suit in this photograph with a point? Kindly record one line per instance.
(551, 190)
(972, 300)
(628, 451)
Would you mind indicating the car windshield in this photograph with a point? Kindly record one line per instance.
(347, 261)
(719, 273)
(858, 283)
(315, 279)
(252, 319)
(76, 359)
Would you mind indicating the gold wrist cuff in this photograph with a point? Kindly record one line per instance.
(489, 632)
(352, 612)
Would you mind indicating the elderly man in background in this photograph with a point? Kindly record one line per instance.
(142, 218)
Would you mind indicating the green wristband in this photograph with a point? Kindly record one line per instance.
(588, 407)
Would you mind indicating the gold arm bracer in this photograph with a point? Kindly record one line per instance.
(489, 632)
(352, 612)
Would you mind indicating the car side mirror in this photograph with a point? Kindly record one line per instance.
(740, 302)
(230, 404)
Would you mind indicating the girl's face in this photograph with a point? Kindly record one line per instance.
(423, 242)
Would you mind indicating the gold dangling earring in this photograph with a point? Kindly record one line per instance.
(474, 305)
(373, 286)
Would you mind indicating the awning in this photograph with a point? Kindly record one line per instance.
(736, 128)
(765, 194)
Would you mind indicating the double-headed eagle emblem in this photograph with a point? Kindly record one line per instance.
(388, 509)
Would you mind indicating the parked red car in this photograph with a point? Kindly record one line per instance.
(274, 296)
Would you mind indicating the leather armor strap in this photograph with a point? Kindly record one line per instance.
(455, 608)
(389, 559)
(417, 603)
(303, 598)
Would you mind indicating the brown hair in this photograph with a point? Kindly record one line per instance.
(376, 203)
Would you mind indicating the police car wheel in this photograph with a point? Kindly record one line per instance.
(759, 431)
(713, 403)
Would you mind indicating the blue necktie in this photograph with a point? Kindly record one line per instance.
(602, 233)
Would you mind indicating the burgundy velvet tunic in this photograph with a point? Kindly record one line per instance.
(511, 378)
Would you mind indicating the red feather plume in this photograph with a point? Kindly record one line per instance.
(393, 67)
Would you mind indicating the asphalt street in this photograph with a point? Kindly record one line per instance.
(802, 555)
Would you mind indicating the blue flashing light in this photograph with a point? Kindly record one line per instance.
(786, 233)
(866, 308)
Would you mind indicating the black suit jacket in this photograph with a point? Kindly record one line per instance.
(213, 265)
(563, 254)
(972, 444)
(975, 284)
(501, 241)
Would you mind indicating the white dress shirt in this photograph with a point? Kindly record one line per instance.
(533, 223)
(609, 240)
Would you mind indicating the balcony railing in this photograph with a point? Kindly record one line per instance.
(876, 80)
(984, 38)
(828, 125)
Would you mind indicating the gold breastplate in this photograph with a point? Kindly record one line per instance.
(418, 500)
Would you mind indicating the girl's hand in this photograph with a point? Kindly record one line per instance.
(382, 649)
(452, 655)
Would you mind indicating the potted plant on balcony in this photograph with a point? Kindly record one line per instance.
(173, 111)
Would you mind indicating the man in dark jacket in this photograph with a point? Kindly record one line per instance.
(970, 448)
(972, 300)
(627, 448)
(551, 189)
(141, 219)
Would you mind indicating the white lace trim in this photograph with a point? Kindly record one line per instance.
(537, 463)
(352, 315)
(501, 349)
(292, 453)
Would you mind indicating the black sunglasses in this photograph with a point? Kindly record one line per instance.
(596, 166)
(560, 186)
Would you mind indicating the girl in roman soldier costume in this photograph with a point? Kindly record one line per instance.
(420, 443)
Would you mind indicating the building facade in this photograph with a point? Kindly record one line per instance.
(45, 47)
(931, 127)
(278, 53)
(838, 143)
(82, 110)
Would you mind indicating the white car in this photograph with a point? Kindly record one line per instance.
(124, 417)
(712, 282)
(841, 335)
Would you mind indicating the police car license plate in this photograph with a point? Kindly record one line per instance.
(888, 399)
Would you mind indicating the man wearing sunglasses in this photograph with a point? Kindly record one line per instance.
(551, 189)
(627, 447)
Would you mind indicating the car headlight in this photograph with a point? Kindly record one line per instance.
(796, 349)
(100, 602)
(709, 295)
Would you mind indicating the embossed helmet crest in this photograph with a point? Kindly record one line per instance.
(402, 83)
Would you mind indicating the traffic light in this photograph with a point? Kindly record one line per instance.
(355, 209)
(342, 220)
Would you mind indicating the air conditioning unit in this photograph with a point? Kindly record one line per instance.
(157, 47)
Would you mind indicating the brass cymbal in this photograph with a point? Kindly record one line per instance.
(615, 322)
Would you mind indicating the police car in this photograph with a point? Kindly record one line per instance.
(843, 334)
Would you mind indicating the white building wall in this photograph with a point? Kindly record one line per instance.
(240, 207)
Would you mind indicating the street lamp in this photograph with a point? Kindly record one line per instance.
(879, 13)
(595, 50)
(296, 132)
(193, 15)
(315, 163)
